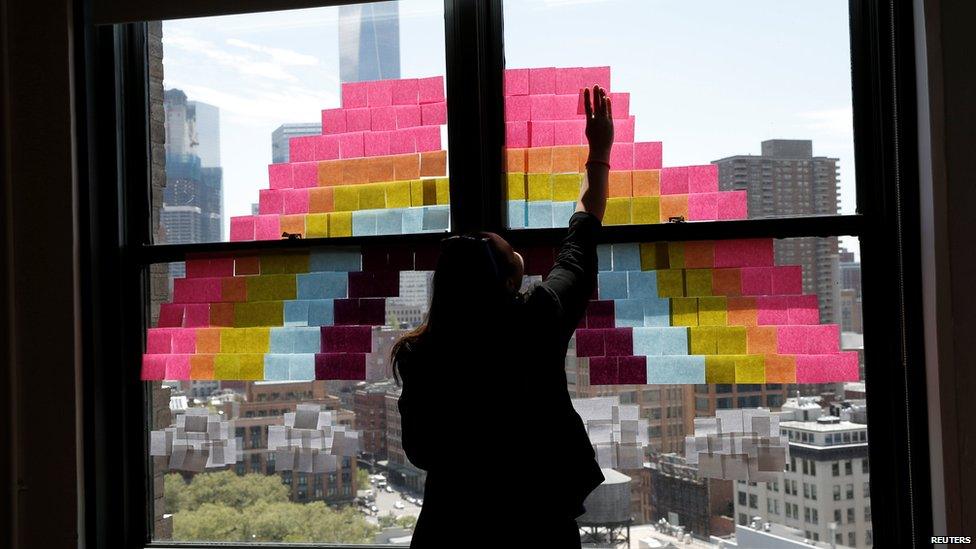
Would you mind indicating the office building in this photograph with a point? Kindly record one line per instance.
(284, 132)
(369, 41)
(673, 490)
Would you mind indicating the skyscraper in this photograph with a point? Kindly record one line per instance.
(284, 132)
(369, 41)
(787, 180)
(207, 118)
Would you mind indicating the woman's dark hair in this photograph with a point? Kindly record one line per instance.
(470, 289)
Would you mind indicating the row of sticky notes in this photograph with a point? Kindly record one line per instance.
(341, 223)
(730, 281)
(366, 196)
(377, 169)
(538, 198)
(383, 93)
(283, 312)
(359, 144)
(552, 80)
(376, 119)
(563, 159)
(630, 256)
(263, 339)
(254, 366)
(547, 106)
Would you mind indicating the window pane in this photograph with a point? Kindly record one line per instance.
(722, 111)
(322, 122)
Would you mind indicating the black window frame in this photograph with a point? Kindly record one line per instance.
(114, 172)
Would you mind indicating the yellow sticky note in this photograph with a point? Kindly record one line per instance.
(539, 187)
(372, 196)
(702, 340)
(283, 263)
(251, 367)
(430, 192)
(515, 185)
(345, 198)
(231, 340)
(340, 224)
(257, 340)
(684, 311)
(618, 211)
(713, 311)
(698, 282)
(670, 283)
(227, 367)
(719, 369)
(566, 187)
(416, 192)
(654, 256)
(317, 225)
(259, 313)
(442, 188)
(731, 340)
(271, 287)
(676, 255)
(750, 369)
(398, 194)
(646, 210)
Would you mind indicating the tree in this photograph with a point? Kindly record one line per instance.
(230, 489)
(173, 486)
(387, 520)
(406, 521)
(362, 479)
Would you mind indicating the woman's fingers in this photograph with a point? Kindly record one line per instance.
(609, 108)
(587, 106)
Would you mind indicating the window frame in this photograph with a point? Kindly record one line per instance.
(115, 237)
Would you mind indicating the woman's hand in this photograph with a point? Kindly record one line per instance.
(599, 123)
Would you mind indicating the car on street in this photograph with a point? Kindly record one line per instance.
(398, 504)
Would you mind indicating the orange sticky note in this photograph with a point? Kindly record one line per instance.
(202, 366)
(330, 172)
(780, 369)
(221, 314)
(582, 155)
(208, 339)
(320, 200)
(433, 164)
(355, 171)
(515, 160)
(647, 182)
(742, 311)
(247, 266)
(726, 282)
(406, 166)
(565, 159)
(620, 184)
(293, 224)
(674, 205)
(699, 254)
(538, 160)
(380, 169)
(761, 340)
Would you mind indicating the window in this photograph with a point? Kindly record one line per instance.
(848, 467)
(834, 467)
(837, 516)
(849, 491)
(753, 501)
(866, 489)
(850, 515)
(837, 492)
(852, 539)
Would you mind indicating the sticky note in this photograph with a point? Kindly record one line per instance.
(647, 155)
(564, 159)
(442, 188)
(328, 172)
(201, 366)
(326, 147)
(301, 149)
(542, 81)
(280, 176)
(351, 145)
(628, 313)
(599, 314)
(541, 107)
(676, 370)
(657, 311)
(787, 280)
(538, 160)
(620, 103)
(539, 212)
(518, 108)
(539, 187)
(321, 312)
(772, 310)
(719, 369)
(406, 91)
(293, 224)
(196, 290)
(403, 141)
(676, 255)
(761, 340)
(632, 370)
(171, 315)
(698, 282)
(389, 221)
(595, 76)
(646, 182)
(372, 196)
(612, 284)
(684, 311)
(259, 313)
(703, 179)
(603, 370)
(674, 206)
(241, 228)
(541, 133)
(626, 256)
(674, 180)
(276, 367)
(296, 312)
(516, 82)
(622, 156)
(517, 134)
(744, 253)
(431, 90)
(517, 214)
(515, 160)
(750, 369)
(780, 368)
(340, 224)
(301, 367)
(379, 93)
(670, 283)
(623, 129)
(641, 284)
(620, 184)
(733, 205)
(406, 166)
(742, 311)
(427, 138)
(222, 314)
(357, 120)
(433, 164)
(702, 207)
(756, 280)
(618, 211)
(731, 339)
(333, 121)
(436, 218)
(568, 132)
(354, 95)
(803, 309)
(703, 340)
(726, 282)
(604, 256)
(712, 311)
(363, 223)
(645, 210)
(589, 342)
(567, 80)
(295, 201)
(561, 212)
(564, 105)
(619, 341)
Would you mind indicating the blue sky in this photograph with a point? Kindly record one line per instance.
(709, 78)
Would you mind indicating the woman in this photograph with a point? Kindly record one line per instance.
(485, 408)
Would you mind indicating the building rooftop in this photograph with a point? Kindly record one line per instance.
(821, 426)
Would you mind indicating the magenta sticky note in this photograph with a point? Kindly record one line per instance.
(756, 280)
(568, 80)
(267, 227)
(517, 134)
(196, 290)
(428, 138)
(808, 340)
(754, 252)
(632, 370)
(197, 315)
(403, 141)
(185, 341)
(564, 107)
(406, 91)
(674, 180)
(333, 121)
(620, 103)
(301, 149)
(518, 108)
(196, 268)
(541, 108)
(377, 143)
(703, 179)
(358, 120)
(354, 95)
(350, 146)
(566, 132)
(178, 367)
(541, 133)
(792, 339)
(804, 309)
(382, 119)
(326, 147)
(619, 341)
(516, 82)
(623, 130)
(279, 176)
(600, 314)
(603, 370)
(271, 201)
(431, 90)
(622, 156)
(159, 340)
(733, 205)
(788, 280)
(702, 207)
(772, 310)
(827, 368)
(295, 201)
(542, 81)
(241, 228)
(589, 343)
(595, 76)
(305, 174)
(847, 367)
(171, 315)
(209, 268)
(434, 114)
(379, 93)
(647, 155)
(153, 367)
(407, 116)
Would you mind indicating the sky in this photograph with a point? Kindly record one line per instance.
(709, 78)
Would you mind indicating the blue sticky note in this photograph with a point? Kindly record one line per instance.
(613, 284)
(296, 313)
(626, 256)
(389, 221)
(561, 212)
(338, 259)
(539, 215)
(301, 367)
(436, 218)
(674, 340)
(647, 341)
(413, 220)
(322, 285)
(642, 284)
(517, 214)
(657, 311)
(364, 223)
(307, 340)
(675, 369)
(628, 313)
(320, 312)
(604, 256)
(276, 367)
(282, 340)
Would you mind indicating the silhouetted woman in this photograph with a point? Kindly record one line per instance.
(485, 408)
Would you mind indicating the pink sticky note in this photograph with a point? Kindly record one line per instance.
(215, 267)
(703, 179)
(702, 207)
(271, 201)
(564, 107)
(354, 95)
(788, 280)
(772, 310)
(516, 82)
(357, 120)
(159, 340)
(623, 130)
(178, 367)
(733, 205)
(241, 228)
(333, 121)
(541, 107)
(517, 134)
(827, 368)
(847, 366)
(431, 90)
(305, 174)
(590, 76)
(197, 315)
(185, 341)
(755, 252)
(620, 103)
(376, 143)
(541, 133)
(568, 80)
(428, 138)
(279, 176)
(756, 281)
(153, 367)
(518, 108)
(326, 147)
(267, 227)
(301, 149)
(350, 145)
(196, 290)
(382, 119)
(804, 309)
(823, 338)
(622, 156)
(295, 201)
(408, 116)
(647, 155)
(379, 93)
(434, 114)
(171, 315)
(542, 80)
(632, 370)
(403, 141)
(674, 180)
(566, 132)
(405, 91)
(792, 339)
